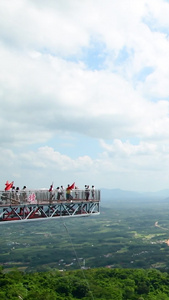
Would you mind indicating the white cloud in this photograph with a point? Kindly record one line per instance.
(47, 87)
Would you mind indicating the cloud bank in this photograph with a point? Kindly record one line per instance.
(84, 93)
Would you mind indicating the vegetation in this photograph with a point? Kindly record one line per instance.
(125, 235)
(121, 254)
(102, 283)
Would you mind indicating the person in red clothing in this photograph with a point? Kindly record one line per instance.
(68, 191)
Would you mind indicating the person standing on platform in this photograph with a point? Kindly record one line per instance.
(58, 193)
(76, 192)
(62, 192)
(24, 194)
(13, 195)
(17, 194)
(51, 194)
(68, 192)
(93, 192)
(87, 192)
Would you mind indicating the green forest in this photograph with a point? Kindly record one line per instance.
(99, 283)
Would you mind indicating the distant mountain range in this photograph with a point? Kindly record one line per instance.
(124, 194)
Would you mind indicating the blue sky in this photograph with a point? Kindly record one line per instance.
(84, 93)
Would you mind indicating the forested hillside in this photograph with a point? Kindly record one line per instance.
(102, 283)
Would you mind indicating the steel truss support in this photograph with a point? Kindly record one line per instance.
(38, 211)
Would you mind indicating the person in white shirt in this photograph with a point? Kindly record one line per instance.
(62, 192)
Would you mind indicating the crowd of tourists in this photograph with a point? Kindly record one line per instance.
(71, 192)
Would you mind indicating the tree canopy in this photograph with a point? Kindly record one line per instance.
(100, 283)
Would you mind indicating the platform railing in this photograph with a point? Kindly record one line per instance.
(26, 197)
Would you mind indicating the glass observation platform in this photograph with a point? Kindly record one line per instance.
(28, 205)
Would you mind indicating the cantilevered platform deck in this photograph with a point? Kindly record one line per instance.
(42, 204)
